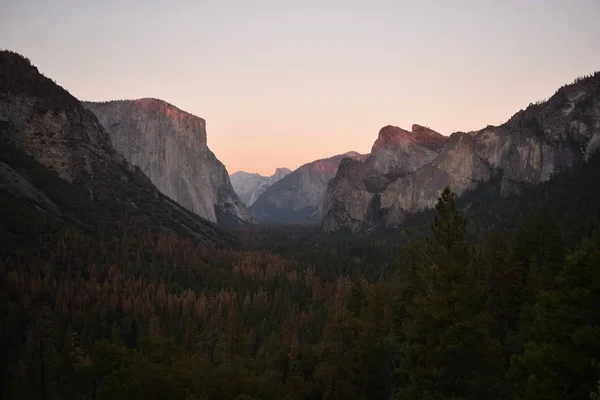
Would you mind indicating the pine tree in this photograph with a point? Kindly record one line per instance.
(504, 285)
(232, 343)
(336, 369)
(448, 351)
(563, 341)
(375, 349)
(448, 244)
(539, 247)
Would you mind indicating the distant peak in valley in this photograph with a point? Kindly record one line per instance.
(250, 185)
(278, 172)
(282, 170)
(351, 154)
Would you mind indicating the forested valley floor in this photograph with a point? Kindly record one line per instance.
(286, 313)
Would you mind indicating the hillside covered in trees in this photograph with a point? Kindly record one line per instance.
(111, 290)
(142, 314)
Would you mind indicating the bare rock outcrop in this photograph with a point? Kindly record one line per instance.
(169, 146)
(353, 198)
(46, 123)
(402, 176)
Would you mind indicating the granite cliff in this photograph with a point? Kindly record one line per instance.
(249, 186)
(298, 197)
(169, 145)
(353, 197)
(57, 155)
(536, 143)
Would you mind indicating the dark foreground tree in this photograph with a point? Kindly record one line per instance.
(562, 353)
(448, 351)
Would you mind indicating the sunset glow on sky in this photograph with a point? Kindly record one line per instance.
(284, 83)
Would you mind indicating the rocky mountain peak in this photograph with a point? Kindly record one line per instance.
(405, 173)
(391, 136)
(180, 122)
(48, 122)
(428, 137)
(250, 185)
(398, 151)
(169, 145)
(280, 173)
(565, 114)
(168, 109)
(46, 130)
(18, 77)
(352, 154)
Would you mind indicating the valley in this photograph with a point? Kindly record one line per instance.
(133, 265)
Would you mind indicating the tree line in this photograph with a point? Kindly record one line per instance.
(150, 315)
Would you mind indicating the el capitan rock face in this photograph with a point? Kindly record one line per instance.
(530, 148)
(249, 186)
(298, 197)
(169, 145)
(57, 133)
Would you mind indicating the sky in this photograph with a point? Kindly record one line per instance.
(282, 83)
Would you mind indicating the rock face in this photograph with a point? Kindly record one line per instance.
(298, 197)
(249, 186)
(353, 198)
(534, 144)
(57, 131)
(397, 152)
(169, 146)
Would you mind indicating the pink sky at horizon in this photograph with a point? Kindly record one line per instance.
(280, 85)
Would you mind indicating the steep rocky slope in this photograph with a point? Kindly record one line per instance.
(353, 198)
(249, 186)
(57, 158)
(169, 145)
(535, 144)
(299, 196)
(397, 151)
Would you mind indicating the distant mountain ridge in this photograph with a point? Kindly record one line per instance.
(536, 143)
(249, 186)
(298, 197)
(170, 147)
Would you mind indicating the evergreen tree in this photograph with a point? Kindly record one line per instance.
(447, 245)
(376, 353)
(539, 247)
(448, 351)
(336, 369)
(232, 343)
(563, 343)
(504, 285)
